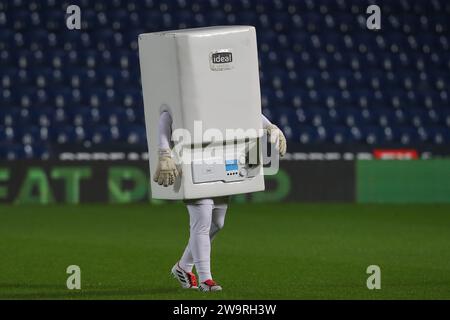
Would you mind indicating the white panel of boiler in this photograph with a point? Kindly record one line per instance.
(208, 75)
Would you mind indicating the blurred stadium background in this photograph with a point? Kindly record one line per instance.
(338, 90)
(352, 102)
(326, 79)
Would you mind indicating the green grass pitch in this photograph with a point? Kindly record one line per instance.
(265, 251)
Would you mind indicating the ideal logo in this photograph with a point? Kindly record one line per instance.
(220, 60)
(222, 57)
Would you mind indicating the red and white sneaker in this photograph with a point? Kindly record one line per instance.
(209, 285)
(186, 279)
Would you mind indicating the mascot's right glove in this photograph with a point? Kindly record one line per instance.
(167, 171)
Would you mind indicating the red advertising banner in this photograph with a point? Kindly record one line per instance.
(395, 154)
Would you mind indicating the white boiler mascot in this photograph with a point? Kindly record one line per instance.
(207, 74)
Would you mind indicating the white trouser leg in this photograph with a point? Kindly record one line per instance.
(218, 219)
(206, 220)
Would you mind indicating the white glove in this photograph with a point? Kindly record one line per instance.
(166, 172)
(276, 134)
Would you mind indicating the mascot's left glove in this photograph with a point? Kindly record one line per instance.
(167, 171)
(276, 135)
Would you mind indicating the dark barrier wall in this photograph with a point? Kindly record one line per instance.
(371, 181)
(23, 182)
(321, 181)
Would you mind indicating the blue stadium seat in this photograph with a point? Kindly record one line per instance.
(6, 134)
(135, 135)
(339, 135)
(66, 134)
(80, 77)
(12, 151)
(99, 134)
(47, 116)
(373, 135)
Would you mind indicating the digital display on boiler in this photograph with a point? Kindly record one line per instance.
(231, 165)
